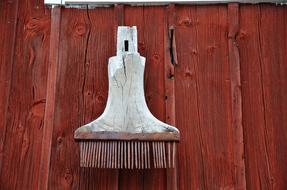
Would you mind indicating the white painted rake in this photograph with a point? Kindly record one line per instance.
(127, 135)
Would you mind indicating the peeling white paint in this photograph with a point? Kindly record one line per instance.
(126, 109)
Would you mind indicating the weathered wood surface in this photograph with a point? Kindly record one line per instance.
(81, 93)
(24, 51)
(169, 64)
(49, 116)
(8, 26)
(203, 104)
(106, 135)
(236, 97)
(208, 157)
(263, 61)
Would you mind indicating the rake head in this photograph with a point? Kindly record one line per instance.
(127, 151)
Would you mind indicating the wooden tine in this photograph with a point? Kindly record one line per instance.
(116, 154)
(129, 156)
(96, 154)
(122, 154)
(81, 154)
(125, 154)
(108, 155)
(154, 156)
(132, 154)
(90, 154)
(159, 153)
(136, 159)
(173, 158)
(93, 154)
(103, 154)
(164, 155)
(100, 154)
(139, 154)
(119, 154)
(168, 154)
(148, 155)
(86, 154)
(142, 155)
(145, 155)
(113, 154)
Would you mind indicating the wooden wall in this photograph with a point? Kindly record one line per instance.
(225, 90)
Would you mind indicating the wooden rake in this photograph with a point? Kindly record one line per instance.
(127, 135)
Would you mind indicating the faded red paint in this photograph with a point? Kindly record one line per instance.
(229, 86)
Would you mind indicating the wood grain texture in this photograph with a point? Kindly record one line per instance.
(203, 104)
(105, 135)
(26, 103)
(236, 97)
(169, 64)
(81, 93)
(8, 24)
(263, 68)
(49, 116)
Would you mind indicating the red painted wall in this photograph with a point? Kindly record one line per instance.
(230, 86)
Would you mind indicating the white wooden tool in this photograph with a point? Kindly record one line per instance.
(127, 135)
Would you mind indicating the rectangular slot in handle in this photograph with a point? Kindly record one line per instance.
(126, 43)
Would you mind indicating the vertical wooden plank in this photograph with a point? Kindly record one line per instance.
(235, 80)
(257, 157)
(274, 80)
(153, 50)
(191, 145)
(50, 97)
(203, 106)
(263, 68)
(119, 11)
(169, 64)
(64, 166)
(26, 106)
(86, 43)
(169, 34)
(8, 26)
(214, 96)
(100, 46)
